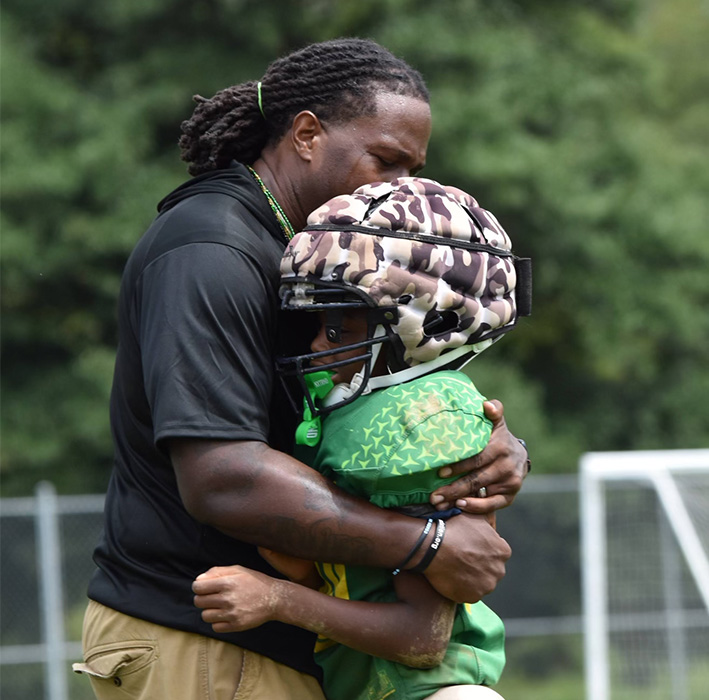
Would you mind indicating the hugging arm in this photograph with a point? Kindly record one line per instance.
(231, 485)
(413, 630)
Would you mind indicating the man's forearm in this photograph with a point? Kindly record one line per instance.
(258, 495)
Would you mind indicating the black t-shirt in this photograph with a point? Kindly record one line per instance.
(199, 327)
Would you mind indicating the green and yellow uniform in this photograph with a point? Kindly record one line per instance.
(386, 447)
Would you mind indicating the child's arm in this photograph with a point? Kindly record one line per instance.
(302, 571)
(414, 630)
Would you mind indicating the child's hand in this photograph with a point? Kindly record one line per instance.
(300, 571)
(234, 598)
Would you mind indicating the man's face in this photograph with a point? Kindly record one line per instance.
(354, 330)
(383, 147)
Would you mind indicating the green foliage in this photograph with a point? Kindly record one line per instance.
(559, 122)
(73, 203)
(582, 125)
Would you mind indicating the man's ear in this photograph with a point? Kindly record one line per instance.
(306, 133)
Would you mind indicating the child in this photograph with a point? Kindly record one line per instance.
(411, 279)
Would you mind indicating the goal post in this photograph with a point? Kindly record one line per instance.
(645, 573)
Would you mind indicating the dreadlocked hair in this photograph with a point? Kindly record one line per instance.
(337, 80)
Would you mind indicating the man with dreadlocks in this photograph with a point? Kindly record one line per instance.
(202, 432)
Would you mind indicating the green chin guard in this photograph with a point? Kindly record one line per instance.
(319, 385)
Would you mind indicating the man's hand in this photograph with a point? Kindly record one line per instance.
(500, 468)
(470, 561)
(234, 598)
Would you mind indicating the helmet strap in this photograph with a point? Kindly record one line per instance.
(406, 375)
(343, 392)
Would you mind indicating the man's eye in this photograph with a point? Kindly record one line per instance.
(386, 163)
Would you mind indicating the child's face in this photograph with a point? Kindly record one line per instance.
(354, 330)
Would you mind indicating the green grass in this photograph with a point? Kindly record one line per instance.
(568, 686)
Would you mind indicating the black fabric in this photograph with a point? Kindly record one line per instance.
(198, 330)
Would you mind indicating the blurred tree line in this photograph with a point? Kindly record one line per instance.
(583, 125)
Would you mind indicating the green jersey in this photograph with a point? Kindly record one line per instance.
(387, 447)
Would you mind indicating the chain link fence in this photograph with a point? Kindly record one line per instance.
(45, 565)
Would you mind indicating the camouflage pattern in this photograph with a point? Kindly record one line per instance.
(402, 244)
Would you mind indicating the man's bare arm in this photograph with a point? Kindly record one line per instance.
(259, 495)
(262, 496)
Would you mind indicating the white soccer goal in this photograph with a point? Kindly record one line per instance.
(645, 573)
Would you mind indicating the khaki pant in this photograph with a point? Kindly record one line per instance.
(130, 659)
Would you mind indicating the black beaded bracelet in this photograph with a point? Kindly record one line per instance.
(419, 542)
(433, 549)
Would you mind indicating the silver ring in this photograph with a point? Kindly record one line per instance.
(482, 492)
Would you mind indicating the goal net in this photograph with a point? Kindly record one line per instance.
(645, 572)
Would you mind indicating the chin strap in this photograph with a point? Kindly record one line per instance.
(342, 392)
(406, 375)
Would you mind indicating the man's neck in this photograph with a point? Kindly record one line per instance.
(282, 186)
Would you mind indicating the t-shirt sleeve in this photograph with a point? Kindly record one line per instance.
(207, 315)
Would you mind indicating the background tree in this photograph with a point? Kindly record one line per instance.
(582, 125)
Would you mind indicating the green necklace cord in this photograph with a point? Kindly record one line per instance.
(275, 206)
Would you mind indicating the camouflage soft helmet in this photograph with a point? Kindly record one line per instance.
(437, 267)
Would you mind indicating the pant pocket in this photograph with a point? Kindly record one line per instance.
(117, 660)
